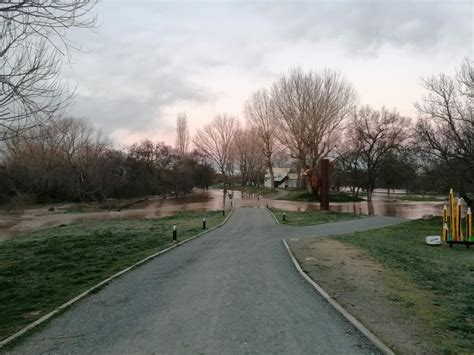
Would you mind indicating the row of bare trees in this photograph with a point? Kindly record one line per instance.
(301, 114)
(302, 117)
(69, 160)
(432, 155)
(310, 115)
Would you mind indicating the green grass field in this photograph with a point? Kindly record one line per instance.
(296, 218)
(41, 271)
(447, 274)
(421, 198)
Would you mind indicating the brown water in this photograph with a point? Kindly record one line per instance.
(382, 204)
(35, 217)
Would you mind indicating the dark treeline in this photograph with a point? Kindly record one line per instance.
(68, 160)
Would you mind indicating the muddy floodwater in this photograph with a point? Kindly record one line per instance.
(13, 224)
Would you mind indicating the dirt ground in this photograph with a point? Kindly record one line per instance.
(366, 289)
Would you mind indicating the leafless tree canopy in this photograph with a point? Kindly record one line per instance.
(310, 108)
(216, 141)
(249, 156)
(32, 46)
(65, 161)
(371, 136)
(68, 160)
(446, 125)
(182, 134)
(260, 116)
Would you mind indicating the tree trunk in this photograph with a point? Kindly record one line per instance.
(370, 190)
(224, 180)
(272, 177)
(299, 181)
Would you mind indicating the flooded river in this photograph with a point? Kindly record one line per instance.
(32, 218)
(382, 204)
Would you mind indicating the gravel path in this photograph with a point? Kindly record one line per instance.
(232, 291)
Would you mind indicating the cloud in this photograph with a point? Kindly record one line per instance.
(366, 26)
(149, 60)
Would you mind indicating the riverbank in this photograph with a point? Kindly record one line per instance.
(44, 269)
(423, 198)
(298, 195)
(34, 217)
(290, 194)
(415, 297)
(307, 218)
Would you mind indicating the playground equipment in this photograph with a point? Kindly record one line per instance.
(453, 233)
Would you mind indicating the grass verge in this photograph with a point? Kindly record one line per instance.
(421, 198)
(42, 270)
(447, 274)
(255, 190)
(306, 218)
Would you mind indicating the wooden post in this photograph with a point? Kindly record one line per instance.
(324, 171)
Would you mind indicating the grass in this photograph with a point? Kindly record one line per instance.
(249, 189)
(297, 218)
(309, 197)
(41, 271)
(421, 198)
(447, 274)
(254, 190)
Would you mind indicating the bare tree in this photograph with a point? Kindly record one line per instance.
(157, 159)
(310, 108)
(182, 134)
(374, 134)
(446, 126)
(63, 162)
(216, 141)
(66, 159)
(260, 116)
(32, 45)
(248, 156)
(350, 164)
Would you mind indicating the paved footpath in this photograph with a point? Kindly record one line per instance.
(232, 291)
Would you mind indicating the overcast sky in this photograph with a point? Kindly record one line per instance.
(148, 59)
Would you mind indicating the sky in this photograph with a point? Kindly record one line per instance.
(148, 60)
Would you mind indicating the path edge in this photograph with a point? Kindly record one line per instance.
(273, 215)
(358, 325)
(79, 297)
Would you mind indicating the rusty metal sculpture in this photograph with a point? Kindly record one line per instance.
(320, 185)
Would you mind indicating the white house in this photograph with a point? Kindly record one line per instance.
(282, 177)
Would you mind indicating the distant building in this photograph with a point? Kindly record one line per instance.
(282, 177)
